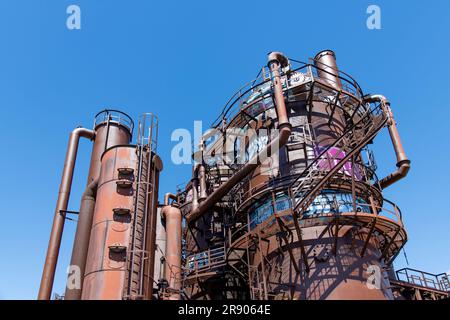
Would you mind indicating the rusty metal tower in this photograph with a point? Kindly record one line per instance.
(307, 220)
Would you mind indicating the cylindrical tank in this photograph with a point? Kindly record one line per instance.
(327, 70)
(172, 217)
(106, 264)
(111, 128)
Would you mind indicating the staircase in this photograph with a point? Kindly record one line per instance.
(312, 180)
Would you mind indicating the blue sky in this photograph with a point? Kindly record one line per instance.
(182, 61)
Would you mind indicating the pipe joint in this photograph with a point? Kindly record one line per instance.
(403, 163)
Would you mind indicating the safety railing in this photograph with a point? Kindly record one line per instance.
(115, 116)
(326, 204)
(424, 279)
(205, 261)
(259, 88)
(148, 131)
(361, 172)
(347, 82)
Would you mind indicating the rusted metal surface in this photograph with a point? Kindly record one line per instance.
(106, 262)
(172, 217)
(82, 236)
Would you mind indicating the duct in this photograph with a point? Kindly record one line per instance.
(325, 62)
(403, 163)
(54, 244)
(82, 236)
(168, 196)
(276, 60)
(172, 264)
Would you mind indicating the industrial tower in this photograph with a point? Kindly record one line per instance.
(284, 202)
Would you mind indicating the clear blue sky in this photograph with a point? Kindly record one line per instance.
(182, 61)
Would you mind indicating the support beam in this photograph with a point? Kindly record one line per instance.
(291, 255)
(300, 240)
(388, 246)
(372, 228)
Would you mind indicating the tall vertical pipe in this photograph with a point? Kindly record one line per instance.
(172, 216)
(54, 244)
(276, 61)
(82, 236)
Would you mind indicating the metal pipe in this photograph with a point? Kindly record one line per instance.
(325, 62)
(276, 59)
(168, 196)
(194, 183)
(202, 179)
(54, 244)
(82, 237)
(403, 163)
(172, 267)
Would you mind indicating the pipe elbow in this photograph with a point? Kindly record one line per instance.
(376, 97)
(403, 163)
(169, 196)
(83, 132)
(400, 173)
(278, 56)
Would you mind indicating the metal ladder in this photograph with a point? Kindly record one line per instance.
(138, 256)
